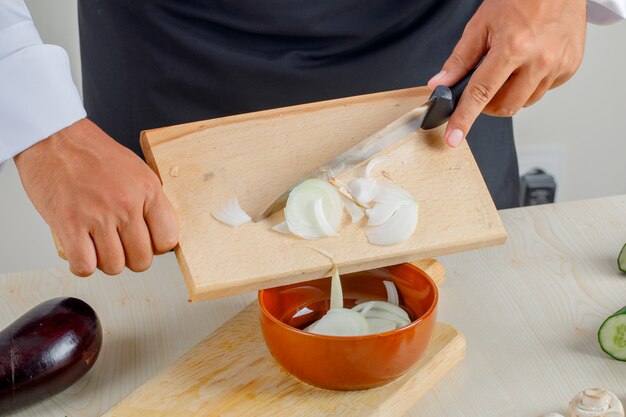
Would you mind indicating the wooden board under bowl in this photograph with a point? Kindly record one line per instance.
(231, 373)
(257, 156)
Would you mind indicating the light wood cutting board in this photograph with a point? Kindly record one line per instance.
(231, 373)
(257, 156)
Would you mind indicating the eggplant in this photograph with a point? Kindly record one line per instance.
(46, 350)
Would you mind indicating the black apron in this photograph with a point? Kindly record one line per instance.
(149, 64)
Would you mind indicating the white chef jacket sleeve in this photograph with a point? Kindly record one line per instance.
(37, 94)
(606, 12)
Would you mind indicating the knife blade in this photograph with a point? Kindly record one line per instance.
(435, 112)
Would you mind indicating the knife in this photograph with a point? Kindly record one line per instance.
(435, 112)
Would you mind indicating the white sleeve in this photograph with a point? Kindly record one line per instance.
(606, 12)
(37, 94)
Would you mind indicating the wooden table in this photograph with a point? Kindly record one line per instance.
(530, 310)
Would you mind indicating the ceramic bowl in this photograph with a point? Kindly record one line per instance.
(348, 362)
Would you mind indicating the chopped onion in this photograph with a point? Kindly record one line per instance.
(382, 310)
(313, 209)
(376, 313)
(380, 213)
(336, 293)
(363, 190)
(366, 308)
(232, 214)
(372, 163)
(380, 325)
(321, 219)
(303, 312)
(394, 215)
(392, 293)
(281, 228)
(371, 307)
(356, 213)
(340, 322)
(397, 229)
(370, 317)
(392, 194)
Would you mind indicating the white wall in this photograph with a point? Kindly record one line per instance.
(57, 22)
(25, 241)
(584, 121)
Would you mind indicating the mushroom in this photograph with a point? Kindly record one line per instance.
(595, 402)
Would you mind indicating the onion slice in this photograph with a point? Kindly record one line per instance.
(313, 209)
(372, 163)
(322, 221)
(281, 228)
(370, 317)
(336, 292)
(340, 322)
(380, 325)
(356, 213)
(231, 214)
(363, 190)
(392, 194)
(392, 226)
(381, 314)
(372, 306)
(397, 229)
(392, 293)
(385, 315)
(380, 213)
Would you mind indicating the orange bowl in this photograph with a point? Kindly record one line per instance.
(348, 362)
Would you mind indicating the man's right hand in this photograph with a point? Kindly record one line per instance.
(104, 204)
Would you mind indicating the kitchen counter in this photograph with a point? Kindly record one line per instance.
(530, 310)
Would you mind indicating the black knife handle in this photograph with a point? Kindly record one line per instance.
(443, 101)
(458, 88)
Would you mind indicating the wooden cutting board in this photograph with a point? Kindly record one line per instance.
(231, 373)
(257, 156)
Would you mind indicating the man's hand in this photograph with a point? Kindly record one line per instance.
(528, 46)
(103, 203)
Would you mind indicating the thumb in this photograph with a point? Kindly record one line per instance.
(466, 55)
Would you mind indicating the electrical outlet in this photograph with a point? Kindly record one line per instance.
(550, 159)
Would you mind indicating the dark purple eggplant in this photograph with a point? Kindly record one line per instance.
(47, 350)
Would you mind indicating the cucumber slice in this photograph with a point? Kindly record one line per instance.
(612, 335)
(621, 259)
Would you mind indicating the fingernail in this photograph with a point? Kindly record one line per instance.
(437, 77)
(455, 138)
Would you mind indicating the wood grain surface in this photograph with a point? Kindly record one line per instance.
(257, 156)
(147, 323)
(529, 309)
(231, 373)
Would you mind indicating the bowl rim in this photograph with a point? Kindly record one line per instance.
(409, 326)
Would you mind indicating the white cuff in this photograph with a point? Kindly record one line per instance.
(37, 97)
(606, 12)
